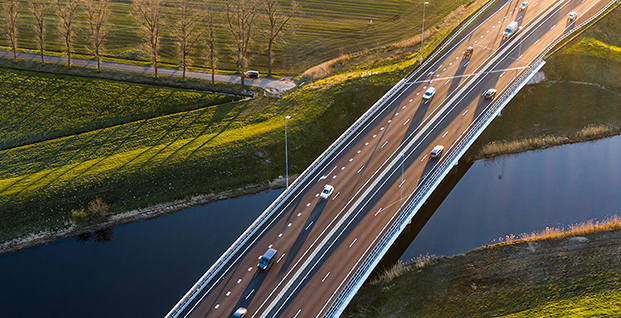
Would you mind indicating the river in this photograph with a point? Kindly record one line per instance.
(142, 269)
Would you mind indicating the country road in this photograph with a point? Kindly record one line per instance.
(281, 85)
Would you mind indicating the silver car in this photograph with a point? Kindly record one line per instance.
(429, 93)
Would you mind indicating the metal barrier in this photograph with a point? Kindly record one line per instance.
(436, 177)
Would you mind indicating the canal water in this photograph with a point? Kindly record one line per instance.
(142, 269)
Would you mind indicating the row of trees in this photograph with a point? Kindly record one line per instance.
(192, 23)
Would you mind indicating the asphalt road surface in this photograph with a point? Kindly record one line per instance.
(321, 243)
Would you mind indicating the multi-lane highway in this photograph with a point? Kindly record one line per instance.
(376, 169)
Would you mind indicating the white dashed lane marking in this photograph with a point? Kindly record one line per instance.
(352, 243)
(324, 279)
(425, 157)
(250, 293)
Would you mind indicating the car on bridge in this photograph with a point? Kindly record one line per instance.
(523, 6)
(572, 16)
(510, 30)
(240, 313)
(490, 93)
(429, 93)
(436, 151)
(327, 191)
(468, 52)
(267, 259)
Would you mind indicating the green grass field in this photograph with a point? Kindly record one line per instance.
(323, 31)
(40, 107)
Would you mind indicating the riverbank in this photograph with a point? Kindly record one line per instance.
(501, 148)
(518, 278)
(142, 214)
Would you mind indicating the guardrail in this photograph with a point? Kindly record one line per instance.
(436, 177)
(295, 185)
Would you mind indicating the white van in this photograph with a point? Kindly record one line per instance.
(511, 28)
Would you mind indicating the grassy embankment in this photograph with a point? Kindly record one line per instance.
(323, 30)
(207, 150)
(41, 107)
(580, 101)
(548, 274)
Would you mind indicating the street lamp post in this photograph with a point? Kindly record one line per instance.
(286, 156)
(422, 35)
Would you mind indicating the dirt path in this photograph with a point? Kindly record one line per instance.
(281, 85)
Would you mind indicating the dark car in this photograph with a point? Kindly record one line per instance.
(252, 74)
(268, 258)
(240, 313)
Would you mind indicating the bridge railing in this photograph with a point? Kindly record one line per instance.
(434, 179)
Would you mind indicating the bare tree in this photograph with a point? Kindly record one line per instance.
(66, 12)
(98, 12)
(148, 15)
(186, 31)
(240, 15)
(211, 16)
(11, 11)
(38, 10)
(277, 21)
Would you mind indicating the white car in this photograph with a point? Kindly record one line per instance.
(437, 151)
(572, 16)
(429, 94)
(327, 191)
(523, 6)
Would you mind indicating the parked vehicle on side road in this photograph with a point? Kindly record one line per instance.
(252, 74)
(327, 191)
(267, 259)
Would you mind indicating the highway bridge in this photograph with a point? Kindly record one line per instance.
(381, 169)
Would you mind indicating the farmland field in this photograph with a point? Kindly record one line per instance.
(39, 107)
(323, 30)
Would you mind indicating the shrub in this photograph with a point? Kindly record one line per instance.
(79, 216)
(98, 209)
